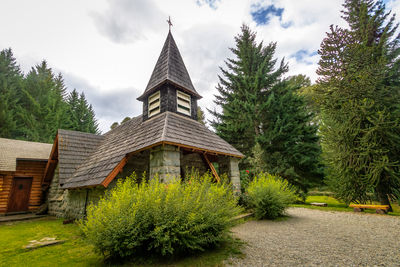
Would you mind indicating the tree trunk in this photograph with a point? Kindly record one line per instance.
(383, 196)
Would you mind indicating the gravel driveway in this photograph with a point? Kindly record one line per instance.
(313, 237)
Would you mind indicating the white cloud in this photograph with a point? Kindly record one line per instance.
(109, 47)
(126, 21)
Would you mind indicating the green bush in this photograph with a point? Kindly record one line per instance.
(270, 196)
(160, 219)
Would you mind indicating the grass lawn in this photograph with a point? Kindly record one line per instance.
(335, 205)
(76, 252)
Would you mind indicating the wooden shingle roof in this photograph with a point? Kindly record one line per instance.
(73, 149)
(11, 150)
(136, 135)
(170, 68)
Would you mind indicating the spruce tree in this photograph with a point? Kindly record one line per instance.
(72, 110)
(10, 82)
(264, 116)
(40, 106)
(34, 107)
(81, 115)
(289, 138)
(243, 89)
(358, 95)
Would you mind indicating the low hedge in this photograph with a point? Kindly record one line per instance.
(270, 195)
(160, 219)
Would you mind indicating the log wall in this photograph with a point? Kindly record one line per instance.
(5, 188)
(34, 169)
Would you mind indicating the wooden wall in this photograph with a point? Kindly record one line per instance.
(33, 169)
(5, 188)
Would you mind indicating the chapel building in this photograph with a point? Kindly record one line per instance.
(165, 141)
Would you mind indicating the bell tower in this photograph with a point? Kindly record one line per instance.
(170, 87)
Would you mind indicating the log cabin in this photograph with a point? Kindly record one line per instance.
(22, 166)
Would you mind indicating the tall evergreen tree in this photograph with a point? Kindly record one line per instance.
(72, 110)
(34, 107)
(243, 89)
(81, 115)
(40, 107)
(10, 82)
(358, 94)
(289, 138)
(264, 116)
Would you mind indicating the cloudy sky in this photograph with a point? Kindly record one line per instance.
(108, 48)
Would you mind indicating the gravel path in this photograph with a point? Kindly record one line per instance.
(323, 238)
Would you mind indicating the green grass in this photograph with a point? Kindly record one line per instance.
(335, 205)
(73, 252)
(76, 252)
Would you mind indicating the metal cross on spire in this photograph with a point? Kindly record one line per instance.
(169, 22)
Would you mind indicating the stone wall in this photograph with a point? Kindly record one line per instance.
(165, 161)
(55, 196)
(230, 166)
(192, 162)
(71, 203)
(77, 200)
(138, 163)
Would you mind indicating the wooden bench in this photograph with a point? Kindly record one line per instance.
(380, 209)
(319, 204)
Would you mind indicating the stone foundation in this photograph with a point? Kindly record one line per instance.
(55, 196)
(70, 203)
(77, 200)
(165, 162)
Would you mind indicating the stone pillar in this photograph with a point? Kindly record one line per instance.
(165, 161)
(230, 166)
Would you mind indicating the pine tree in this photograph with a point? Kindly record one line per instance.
(72, 115)
(81, 115)
(40, 105)
(289, 138)
(10, 82)
(243, 89)
(34, 107)
(358, 96)
(264, 117)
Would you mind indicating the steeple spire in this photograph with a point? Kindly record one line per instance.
(170, 69)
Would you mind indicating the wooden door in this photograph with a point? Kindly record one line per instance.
(20, 193)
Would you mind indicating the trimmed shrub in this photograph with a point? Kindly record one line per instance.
(160, 219)
(270, 196)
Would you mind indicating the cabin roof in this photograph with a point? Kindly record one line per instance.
(170, 68)
(11, 150)
(137, 135)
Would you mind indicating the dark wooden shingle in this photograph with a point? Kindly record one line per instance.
(73, 149)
